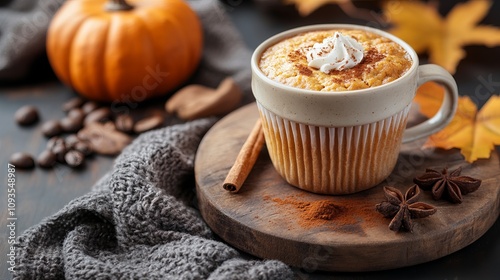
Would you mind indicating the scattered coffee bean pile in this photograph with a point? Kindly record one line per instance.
(87, 128)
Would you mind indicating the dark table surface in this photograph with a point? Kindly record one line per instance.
(40, 193)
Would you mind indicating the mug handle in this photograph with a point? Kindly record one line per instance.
(432, 72)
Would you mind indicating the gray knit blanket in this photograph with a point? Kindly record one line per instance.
(138, 223)
(140, 220)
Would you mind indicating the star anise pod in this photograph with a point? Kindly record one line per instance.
(402, 209)
(454, 184)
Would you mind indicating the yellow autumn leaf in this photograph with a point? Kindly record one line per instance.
(421, 26)
(305, 7)
(474, 133)
(429, 97)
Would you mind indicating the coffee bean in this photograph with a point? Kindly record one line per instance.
(98, 115)
(46, 159)
(71, 124)
(56, 140)
(76, 113)
(71, 141)
(74, 158)
(22, 160)
(26, 115)
(73, 103)
(89, 106)
(60, 150)
(148, 123)
(124, 123)
(52, 128)
(83, 147)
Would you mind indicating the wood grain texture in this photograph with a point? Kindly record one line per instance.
(254, 222)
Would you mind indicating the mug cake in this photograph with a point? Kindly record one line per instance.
(334, 102)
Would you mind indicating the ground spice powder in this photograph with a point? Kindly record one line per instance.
(340, 214)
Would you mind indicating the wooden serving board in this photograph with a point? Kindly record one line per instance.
(268, 218)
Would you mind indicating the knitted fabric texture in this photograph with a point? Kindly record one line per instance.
(140, 220)
(138, 224)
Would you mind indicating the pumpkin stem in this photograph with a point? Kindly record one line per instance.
(118, 5)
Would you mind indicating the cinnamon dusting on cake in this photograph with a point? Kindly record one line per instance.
(384, 61)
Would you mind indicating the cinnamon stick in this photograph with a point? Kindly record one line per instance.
(246, 159)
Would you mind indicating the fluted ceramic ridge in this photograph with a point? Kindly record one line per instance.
(333, 160)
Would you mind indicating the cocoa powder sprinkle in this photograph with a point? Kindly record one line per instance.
(338, 215)
(311, 213)
(371, 57)
(295, 56)
(304, 70)
(384, 61)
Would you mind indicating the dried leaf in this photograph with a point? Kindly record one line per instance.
(429, 96)
(198, 101)
(305, 7)
(474, 133)
(421, 26)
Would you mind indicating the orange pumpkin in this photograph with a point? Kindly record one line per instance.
(113, 51)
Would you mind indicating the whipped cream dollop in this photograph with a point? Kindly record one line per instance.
(335, 53)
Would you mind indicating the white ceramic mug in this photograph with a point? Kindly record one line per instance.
(345, 141)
